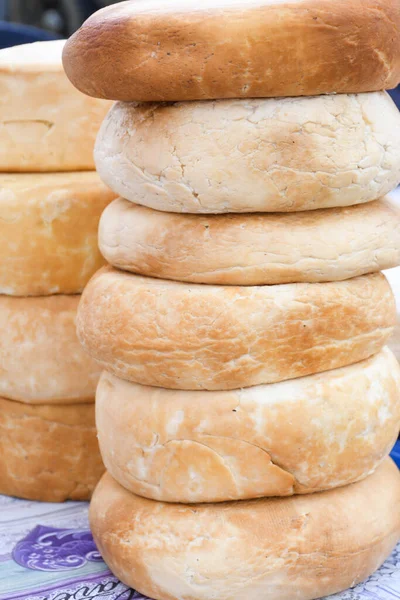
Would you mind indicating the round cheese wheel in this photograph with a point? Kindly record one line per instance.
(298, 436)
(302, 547)
(46, 124)
(48, 230)
(193, 336)
(41, 360)
(252, 249)
(187, 50)
(256, 155)
(48, 453)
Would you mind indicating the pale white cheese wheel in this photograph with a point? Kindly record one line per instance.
(45, 124)
(48, 231)
(298, 436)
(41, 360)
(252, 249)
(260, 155)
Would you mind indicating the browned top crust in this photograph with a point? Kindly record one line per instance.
(188, 50)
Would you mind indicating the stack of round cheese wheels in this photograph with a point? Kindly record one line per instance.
(249, 400)
(51, 199)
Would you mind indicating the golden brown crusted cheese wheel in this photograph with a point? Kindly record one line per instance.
(257, 155)
(48, 230)
(193, 336)
(252, 249)
(300, 436)
(41, 360)
(188, 50)
(46, 124)
(48, 453)
(302, 547)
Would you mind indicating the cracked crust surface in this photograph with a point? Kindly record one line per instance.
(41, 360)
(301, 436)
(186, 50)
(265, 155)
(301, 547)
(193, 336)
(48, 229)
(313, 246)
(45, 123)
(48, 453)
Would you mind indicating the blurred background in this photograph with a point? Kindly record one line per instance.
(23, 21)
(57, 18)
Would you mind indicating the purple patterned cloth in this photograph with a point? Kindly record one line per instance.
(49, 549)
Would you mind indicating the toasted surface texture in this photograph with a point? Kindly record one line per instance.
(266, 155)
(192, 336)
(300, 436)
(302, 547)
(41, 360)
(186, 50)
(46, 124)
(252, 249)
(48, 453)
(48, 229)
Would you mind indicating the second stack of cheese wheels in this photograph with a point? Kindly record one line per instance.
(51, 200)
(242, 323)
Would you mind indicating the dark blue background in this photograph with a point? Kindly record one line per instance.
(396, 454)
(396, 96)
(13, 34)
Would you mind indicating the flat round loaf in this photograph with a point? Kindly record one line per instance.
(41, 360)
(252, 249)
(46, 124)
(193, 336)
(188, 50)
(48, 453)
(266, 155)
(48, 232)
(302, 547)
(301, 436)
